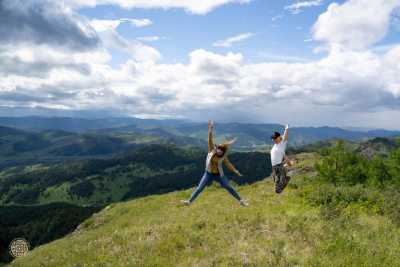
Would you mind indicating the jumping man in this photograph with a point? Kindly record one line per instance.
(277, 160)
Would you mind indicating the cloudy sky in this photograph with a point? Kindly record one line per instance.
(316, 62)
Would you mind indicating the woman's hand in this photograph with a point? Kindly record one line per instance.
(210, 125)
(231, 142)
(210, 136)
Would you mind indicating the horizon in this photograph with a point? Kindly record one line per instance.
(309, 63)
(348, 128)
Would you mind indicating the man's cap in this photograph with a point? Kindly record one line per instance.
(275, 135)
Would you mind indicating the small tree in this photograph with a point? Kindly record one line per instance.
(378, 171)
(341, 165)
(394, 166)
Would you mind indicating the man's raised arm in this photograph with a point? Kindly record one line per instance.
(210, 136)
(286, 133)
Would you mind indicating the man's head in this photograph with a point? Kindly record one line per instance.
(276, 137)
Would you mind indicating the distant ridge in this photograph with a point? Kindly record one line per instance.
(250, 136)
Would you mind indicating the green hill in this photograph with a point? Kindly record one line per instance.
(39, 223)
(310, 224)
(152, 169)
(28, 146)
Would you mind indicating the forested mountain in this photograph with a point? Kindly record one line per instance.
(250, 136)
(148, 170)
(39, 223)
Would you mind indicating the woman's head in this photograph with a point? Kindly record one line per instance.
(221, 150)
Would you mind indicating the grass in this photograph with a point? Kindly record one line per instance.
(275, 230)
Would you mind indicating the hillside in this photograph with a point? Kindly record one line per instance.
(39, 224)
(23, 147)
(290, 229)
(30, 146)
(151, 169)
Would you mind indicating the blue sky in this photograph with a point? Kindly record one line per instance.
(305, 62)
(276, 30)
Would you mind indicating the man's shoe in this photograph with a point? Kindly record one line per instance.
(278, 190)
(286, 183)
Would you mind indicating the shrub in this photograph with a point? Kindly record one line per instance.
(341, 165)
(342, 196)
(391, 203)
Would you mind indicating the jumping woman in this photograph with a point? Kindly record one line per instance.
(215, 157)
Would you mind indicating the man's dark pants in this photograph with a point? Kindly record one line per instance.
(280, 177)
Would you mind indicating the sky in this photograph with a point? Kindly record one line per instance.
(306, 62)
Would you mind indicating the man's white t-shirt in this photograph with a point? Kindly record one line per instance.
(278, 152)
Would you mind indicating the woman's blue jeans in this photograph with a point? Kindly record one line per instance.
(208, 178)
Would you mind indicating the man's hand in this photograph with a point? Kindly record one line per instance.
(210, 125)
(285, 134)
(239, 174)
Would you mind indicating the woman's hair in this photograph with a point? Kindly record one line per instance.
(223, 147)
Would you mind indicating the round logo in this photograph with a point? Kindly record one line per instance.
(19, 247)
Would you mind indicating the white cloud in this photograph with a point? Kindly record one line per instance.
(232, 40)
(277, 17)
(149, 38)
(139, 22)
(192, 6)
(298, 7)
(101, 25)
(112, 39)
(136, 49)
(356, 24)
(346, 82)
(274, 57)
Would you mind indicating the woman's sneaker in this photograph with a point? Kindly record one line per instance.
(243, 203)
(186, 202)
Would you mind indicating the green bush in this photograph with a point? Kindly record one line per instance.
(327, 194)
(342, 165)
(346, 178)
(391, 203)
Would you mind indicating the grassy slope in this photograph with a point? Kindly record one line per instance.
(275, 230)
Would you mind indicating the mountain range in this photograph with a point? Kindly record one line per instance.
(134, 130)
